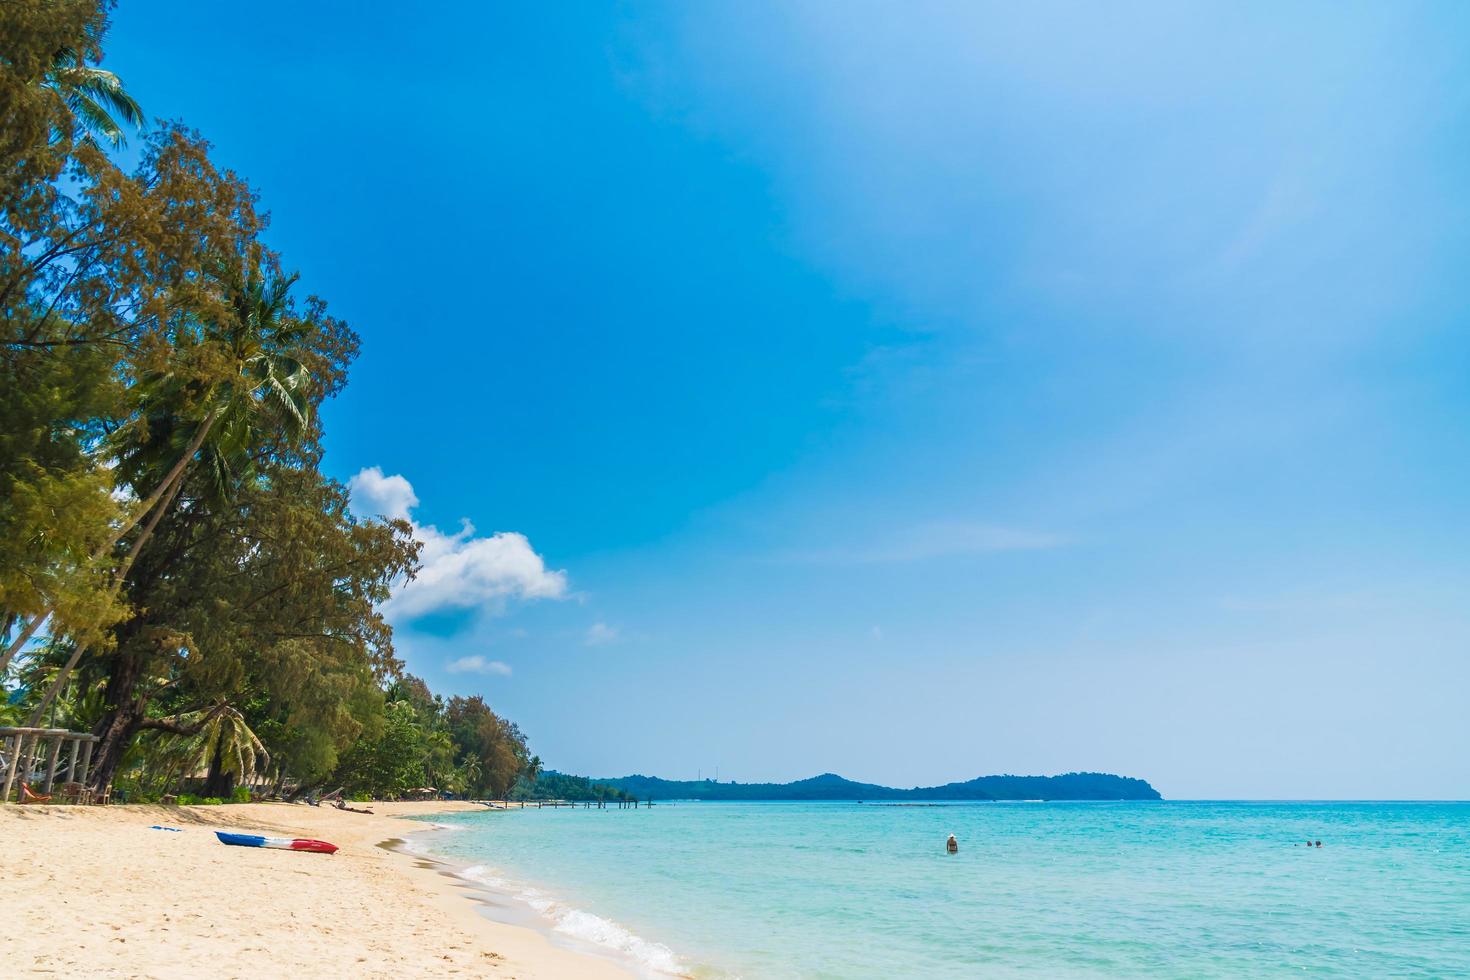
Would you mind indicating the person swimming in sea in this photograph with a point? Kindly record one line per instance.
(952, 845)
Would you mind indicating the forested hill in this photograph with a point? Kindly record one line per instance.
(1070, 786)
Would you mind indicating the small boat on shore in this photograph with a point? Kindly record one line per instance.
(284, 843)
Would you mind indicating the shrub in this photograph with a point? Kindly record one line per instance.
(241, 794)
(189, 799)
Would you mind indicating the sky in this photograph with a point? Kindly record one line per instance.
(909, 391)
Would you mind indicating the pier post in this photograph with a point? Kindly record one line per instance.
(51, 765)
(10, 769)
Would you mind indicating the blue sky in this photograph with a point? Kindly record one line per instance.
(908, 391)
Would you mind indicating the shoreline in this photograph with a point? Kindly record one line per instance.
(522, 904)
(98, 891)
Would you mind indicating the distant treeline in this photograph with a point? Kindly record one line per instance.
(1070, 786)
(560, 786)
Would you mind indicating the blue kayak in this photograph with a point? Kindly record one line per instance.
(284, 843)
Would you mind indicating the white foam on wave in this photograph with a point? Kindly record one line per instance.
(481, 874)
(414, 845)
(583, 925)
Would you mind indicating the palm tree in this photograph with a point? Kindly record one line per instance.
(470, 772)
(266, 386)
(220, 737)
(254, 381)
(257, 340)
(96, 98)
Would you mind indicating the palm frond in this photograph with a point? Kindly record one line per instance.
(94, 119)
(107, 89)
(95, 96)
(223, 727)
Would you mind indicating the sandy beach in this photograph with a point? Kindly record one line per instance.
(95, 891)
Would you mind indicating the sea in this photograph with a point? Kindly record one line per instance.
(1037, 889)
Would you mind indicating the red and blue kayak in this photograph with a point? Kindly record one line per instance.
(285, 843)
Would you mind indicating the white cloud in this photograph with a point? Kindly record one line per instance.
(600, 633)
(462, 571)
(374, 493)
(478, 665)
(459, 570)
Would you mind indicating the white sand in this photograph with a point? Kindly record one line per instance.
(92, 891)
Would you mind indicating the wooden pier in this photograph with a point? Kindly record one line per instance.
(569, 804)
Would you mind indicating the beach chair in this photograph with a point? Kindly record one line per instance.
(74, 793)
(28, 795)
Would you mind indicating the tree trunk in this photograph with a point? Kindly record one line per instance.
(164, 484)
(218, 782)
(26, 633)
(304, 788)
(123, 720)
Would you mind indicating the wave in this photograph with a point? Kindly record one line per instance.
(581, 924)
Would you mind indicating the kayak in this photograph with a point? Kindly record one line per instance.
(285, 843)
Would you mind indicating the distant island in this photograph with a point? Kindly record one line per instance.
(830, 786)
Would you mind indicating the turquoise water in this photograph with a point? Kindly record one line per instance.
(1036, 890)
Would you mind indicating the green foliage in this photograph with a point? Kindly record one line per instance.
(189, 799)
(394, 761)
(40, 130)
(490, 751)
(460, 746)
(213, 605)
(56, 505)
(241, 795)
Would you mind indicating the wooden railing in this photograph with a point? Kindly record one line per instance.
(24, 751)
